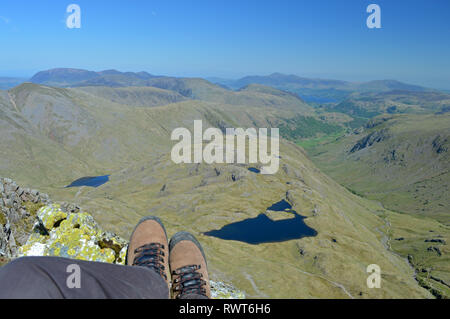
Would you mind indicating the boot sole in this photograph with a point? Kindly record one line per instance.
(183, 235)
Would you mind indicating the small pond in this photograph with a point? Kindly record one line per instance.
(91, 181)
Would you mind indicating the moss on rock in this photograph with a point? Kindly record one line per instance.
(2, 219)
(33, 208)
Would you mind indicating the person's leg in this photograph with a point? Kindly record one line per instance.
(189, 269)
(48, 277)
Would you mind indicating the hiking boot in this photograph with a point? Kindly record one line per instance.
(188, 267)
(148, 247)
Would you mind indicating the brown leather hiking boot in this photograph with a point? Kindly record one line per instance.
(188, 267)
(148, 247)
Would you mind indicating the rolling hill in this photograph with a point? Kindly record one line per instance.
(318, 90)
(367, 105)
(65, 77)
(140, 89)
(312, 90)
(401, 160)
(57, 135)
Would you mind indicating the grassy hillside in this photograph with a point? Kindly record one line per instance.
(135, 96)
(367, 105)
(402, 160)
(83, 135)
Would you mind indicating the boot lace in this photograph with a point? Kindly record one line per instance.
(151, 256)
(188, 281)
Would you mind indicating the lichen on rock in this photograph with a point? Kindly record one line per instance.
(50, 215)
(71, 235)
(220, 290)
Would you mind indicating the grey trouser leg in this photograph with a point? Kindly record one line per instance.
(47, 277)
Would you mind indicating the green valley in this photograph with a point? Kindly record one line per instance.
(57, 135)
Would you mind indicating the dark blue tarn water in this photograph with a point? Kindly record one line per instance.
(91, 181)
(264, 230)
(280, 206)
(254, 170)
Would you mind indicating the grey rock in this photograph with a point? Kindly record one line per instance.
(7, 202)
(13, 197)
(16, 231)
(369, 140)
(8, 189)
(12, 244)
(24, 213)
(20, 191)
(69, 208)
(45, 198)
(13, 216)
(14, 186)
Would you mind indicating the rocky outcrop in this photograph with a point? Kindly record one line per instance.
(31, 225)
(72, 235)
(220, 290)
(377, 121)
(18, 207)
(440, 144)
(369, 140)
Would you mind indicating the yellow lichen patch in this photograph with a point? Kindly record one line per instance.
(82, 219)
(50, 215)
(73, 235)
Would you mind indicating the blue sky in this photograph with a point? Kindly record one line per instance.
(228, 38)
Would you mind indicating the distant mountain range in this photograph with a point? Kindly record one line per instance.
(312, 90)
(318, 90)
(63, 77)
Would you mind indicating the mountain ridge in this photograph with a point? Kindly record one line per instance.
(67, 134)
